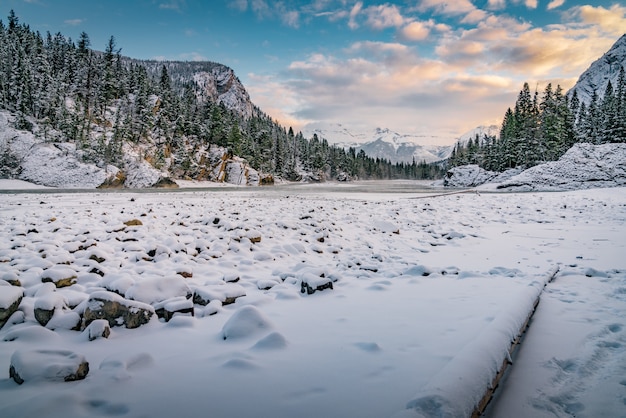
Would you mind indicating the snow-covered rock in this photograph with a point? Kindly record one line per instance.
(246, 322)
(54, 365)
(116, 310)
(10, 298)
(583, 166)
(468, 176)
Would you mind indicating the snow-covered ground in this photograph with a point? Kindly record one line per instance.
(427, 294)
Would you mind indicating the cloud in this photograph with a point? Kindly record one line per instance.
(354, 12)
(261, 9)
(496, 4)
(176, 5)
(288, 17)
(241, 5)
(192, 56)
(73, 22)
(415, 31)
(450, 7)
(611, 21)
(384, 16)
(531, 4)
(555, 3)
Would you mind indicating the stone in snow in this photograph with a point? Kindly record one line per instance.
(53, 365)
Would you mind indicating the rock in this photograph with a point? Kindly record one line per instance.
(115, 181)
(116, 310)
(98, 328)
(61, 276)
(159, 289)
(467, 176)
(53, 365)
(46, 305)
(227, 293)
(10, 299)
(179, 305)
(11, 278)
(310, 283)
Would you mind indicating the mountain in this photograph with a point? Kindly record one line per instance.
(393, 146)
(597, 76)
(480, 131)
(383, 143)
(212, 82)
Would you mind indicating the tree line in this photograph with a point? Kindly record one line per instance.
(541, 129)
(103, 102)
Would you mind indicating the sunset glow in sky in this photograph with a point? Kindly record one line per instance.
(421, 66)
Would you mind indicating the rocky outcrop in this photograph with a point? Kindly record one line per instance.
(116, 310)
(53, 365)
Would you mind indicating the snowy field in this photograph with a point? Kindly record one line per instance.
(420, 298)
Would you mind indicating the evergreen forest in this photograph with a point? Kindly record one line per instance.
(541, 129)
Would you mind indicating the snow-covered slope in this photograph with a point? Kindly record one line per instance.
(597, 76)
(583, 166)
(27, 156)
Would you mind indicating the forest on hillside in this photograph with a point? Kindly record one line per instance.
(102, 101)
(541, 129)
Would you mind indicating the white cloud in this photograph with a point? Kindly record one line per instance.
(496, 4)
(384, 16)
(73, 22)
(555, 3)
(531, 4)
(354, 12)
(611, 21)
(415, 31)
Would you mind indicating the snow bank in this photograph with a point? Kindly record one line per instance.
(583, 166)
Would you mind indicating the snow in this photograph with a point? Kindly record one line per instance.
(583, 166)
(417, 322)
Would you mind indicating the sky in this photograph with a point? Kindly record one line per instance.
(416, 67)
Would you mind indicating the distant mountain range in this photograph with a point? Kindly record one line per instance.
(386, 144)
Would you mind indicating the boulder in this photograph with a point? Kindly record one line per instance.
(116, 310)
(46, 305)
(53, 365)
(10, 299)
(468, 176)
(98, 328)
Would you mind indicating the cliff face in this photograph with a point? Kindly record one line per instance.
(600, 72)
